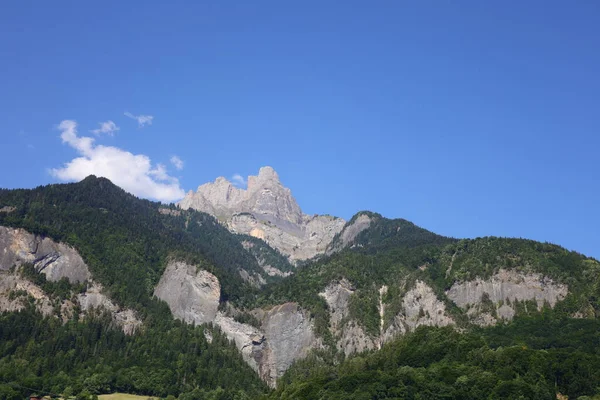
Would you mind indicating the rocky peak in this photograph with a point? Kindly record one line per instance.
(266, 177)
(267, 210)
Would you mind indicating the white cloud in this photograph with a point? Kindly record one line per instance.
(142, 120)
(107, 127)
(177, 162)
(238, 181)
(133, 172)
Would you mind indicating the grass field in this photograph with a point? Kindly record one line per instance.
(124, 396)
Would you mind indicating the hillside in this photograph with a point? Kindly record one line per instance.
(136, 284)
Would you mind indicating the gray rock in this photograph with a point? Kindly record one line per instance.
(14, 291)
(289, 336)
(349, 233)
(508, 284)
(285, 335)
(55, 260)
(192, 295)
(94, 299)
(266, 210)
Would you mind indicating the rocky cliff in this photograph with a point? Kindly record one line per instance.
(285, 333)
(419, 306)
(266, 210)
(486, 301)
(56, 261)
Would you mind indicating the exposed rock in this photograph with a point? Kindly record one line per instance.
(55, 260)
(168, 211)
(243, 335)
(351, 337)
(7, 209)
(354, 339)
(192, 295)
(286, 333)
(290, 336)
(481, 318)
(14, 291)
(95, 300)
(508, 285)
(269, 269)
(506, 312)
(254, 279)
(337, 295)
(268, 211)
(420, 306)
(349, 233)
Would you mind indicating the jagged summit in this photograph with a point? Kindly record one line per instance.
(267, 210)
(265, 195)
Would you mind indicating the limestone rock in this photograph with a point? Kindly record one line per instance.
(286, 332)
(502, 290)
(337, 295)
(94, 299)
(289, 336)
(349, 233)
(351, 337)
(420, 306)
(268, 211)
(55, 260)
(506, 286)
(193, 296)
(14, 291)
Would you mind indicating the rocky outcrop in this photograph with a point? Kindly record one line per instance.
(285, 334)
(289, 336)
(14, 293)
(349, 233)
(55, 260)
(500, 293)
(350, 335)
(95, 300)
(420, 306)
(268, 211)
(268, 268)
(192, 294)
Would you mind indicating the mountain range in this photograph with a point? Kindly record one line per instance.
(101, 291)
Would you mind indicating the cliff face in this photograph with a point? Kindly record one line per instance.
(285, 333)
(486, 301)
(419, 306)
(266, 210)
(349, 233)
(193, 296)
(56, 261)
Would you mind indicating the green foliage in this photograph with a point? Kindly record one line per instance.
(125, 240)
(88, 357)
(533, 358)
(60, 290)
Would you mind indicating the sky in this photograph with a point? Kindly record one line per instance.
(468, 118)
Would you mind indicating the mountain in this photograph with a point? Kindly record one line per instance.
(268, 211)
(136, 296)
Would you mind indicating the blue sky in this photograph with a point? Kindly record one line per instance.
(468, 118)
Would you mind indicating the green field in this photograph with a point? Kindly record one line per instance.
(124, 396)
